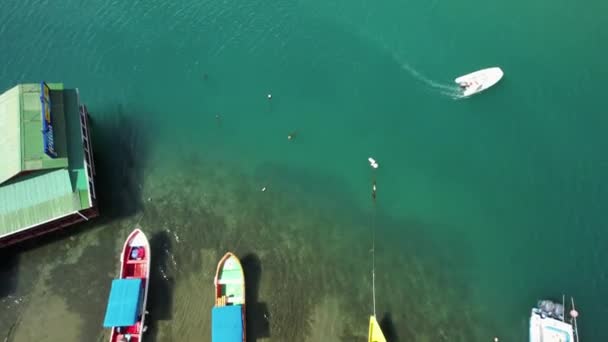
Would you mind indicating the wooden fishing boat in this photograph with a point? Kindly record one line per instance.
(228, 314)
(126, 310)
(375, 333)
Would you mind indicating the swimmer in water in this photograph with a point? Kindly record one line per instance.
(292, 136)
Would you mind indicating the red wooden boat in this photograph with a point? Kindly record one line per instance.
(126, 311)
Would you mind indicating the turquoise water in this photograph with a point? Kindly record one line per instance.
(484, 204)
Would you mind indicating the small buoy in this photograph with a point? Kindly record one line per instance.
(269, 96)
(290, 137)
(573, 313)
(372, 162)
(495, 339)
(263, 189)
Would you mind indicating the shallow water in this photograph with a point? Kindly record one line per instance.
(484, 204)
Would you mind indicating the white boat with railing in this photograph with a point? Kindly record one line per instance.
(548, 323)
(479, 80)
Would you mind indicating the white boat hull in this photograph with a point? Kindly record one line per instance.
(480, 80)
(549, 329)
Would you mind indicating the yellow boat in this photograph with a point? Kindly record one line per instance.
(375, 333)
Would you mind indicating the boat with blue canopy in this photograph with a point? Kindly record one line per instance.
(124, 303)
(126, 310)
(227, 324)
(228, 314)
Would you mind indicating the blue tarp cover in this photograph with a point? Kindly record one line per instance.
(124, 303)
(227, 324)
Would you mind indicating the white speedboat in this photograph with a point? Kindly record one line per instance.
(548, 324)
(478, 81)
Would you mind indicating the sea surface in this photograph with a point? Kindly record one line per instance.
(484, 205)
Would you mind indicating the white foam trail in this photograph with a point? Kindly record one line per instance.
(449, 90)
(172, 258)
(163, 274)
(175, 236)
(427, 80)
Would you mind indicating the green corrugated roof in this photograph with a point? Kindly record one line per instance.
(33, 156)
(21, 136)
(52, 187)
(25, 203)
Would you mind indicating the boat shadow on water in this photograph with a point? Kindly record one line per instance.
(388, 327)
(257, 315)
(8, 273)
(160, 297)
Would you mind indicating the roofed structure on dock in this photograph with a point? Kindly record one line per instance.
(46, 164)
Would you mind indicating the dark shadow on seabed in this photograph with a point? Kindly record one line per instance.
(9, 258)
(120, 147)
(388, 328)
(257, 315)
(9, 261)
(160, 296)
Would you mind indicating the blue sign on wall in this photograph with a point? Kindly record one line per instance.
(47, 124)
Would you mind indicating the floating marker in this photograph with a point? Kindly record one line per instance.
(373, 163)
(573, 313)
(269, 96)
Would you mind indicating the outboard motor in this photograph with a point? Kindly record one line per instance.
(551, 309)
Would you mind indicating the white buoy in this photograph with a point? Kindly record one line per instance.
(263, 189)
(373, 163)
(269, 96)
(495, 339)
(573, 313)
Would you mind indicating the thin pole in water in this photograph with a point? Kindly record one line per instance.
(374, 166)
(374, 247)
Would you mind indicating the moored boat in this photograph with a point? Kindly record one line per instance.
(126, 310)
(228, 313)
(548, 323)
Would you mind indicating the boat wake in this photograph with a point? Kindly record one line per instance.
(449, 90)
